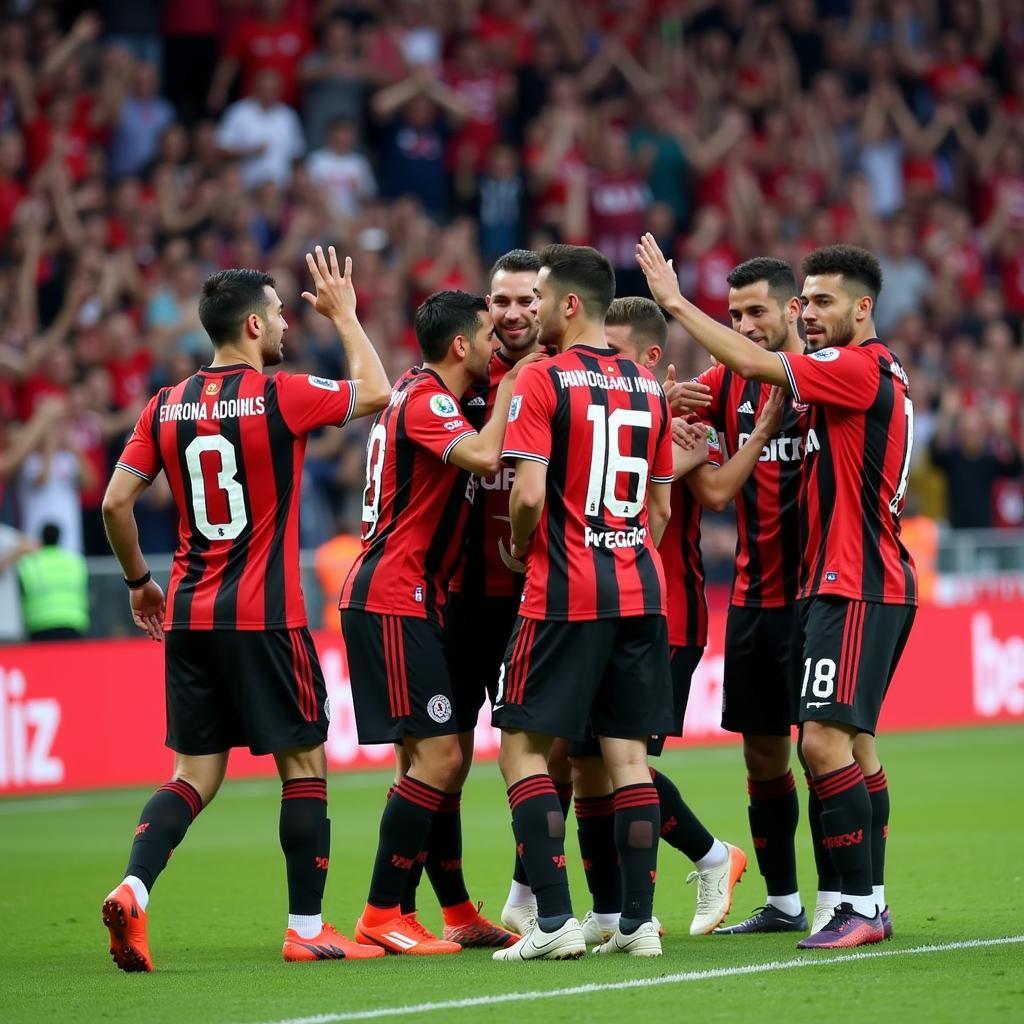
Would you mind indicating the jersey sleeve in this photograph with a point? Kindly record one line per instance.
(714, 378)
(308, 402)
(434, 421)
(528, 434)
(714, 445)
(842, 377)
(141, 456)
(661, 468)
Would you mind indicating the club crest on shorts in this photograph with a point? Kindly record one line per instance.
(327, 708)
(439, 707)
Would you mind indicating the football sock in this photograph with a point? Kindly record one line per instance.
(637, 825)
(774, 811)
(307, 926)
(162, 825)
(788, 902)
(846, 826)
(407, 904)
(878, 792)
(138, 887)
(718, 854)
(444, 853)
(539, 828)
(520, 892)
(595, 816)
(680, 827)
(404, 830)
(305, 834)
(828, 880)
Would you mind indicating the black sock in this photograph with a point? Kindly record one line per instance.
(404, 828)
(680, 827)
(828, 880)
(539, 829)
(774, 812)
(637, 824)
(162, 825)
(878, 791)
(564, 791)
(846, 825)
(407, 904)
(595, 817)
(305, 833)
(444, 853)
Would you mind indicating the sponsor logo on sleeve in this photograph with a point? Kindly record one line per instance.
(443, 406)
(825, 355)
(454, 424)
(513, 409)
(323, 383)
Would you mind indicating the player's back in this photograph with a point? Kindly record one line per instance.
(601, 424)
(415, 502)
(231, 442)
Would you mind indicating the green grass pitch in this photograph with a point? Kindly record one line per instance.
(217, 914)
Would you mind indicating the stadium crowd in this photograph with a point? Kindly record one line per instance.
(144, 146)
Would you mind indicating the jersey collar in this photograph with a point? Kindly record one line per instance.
(230, 368)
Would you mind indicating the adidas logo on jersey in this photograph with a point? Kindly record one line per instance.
(746, 407)
(479, 400)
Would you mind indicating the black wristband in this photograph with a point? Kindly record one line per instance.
(140, 582)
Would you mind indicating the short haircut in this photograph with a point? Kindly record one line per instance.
(228, 297)
(583, 270)
(777, 274)
(444, 315)
(856, 266)
(517, 261)
(49, 534)
(644, 318)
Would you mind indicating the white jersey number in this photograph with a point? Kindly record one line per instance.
(375, 446)
(227, 481)
(607, 462)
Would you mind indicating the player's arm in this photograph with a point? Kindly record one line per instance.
(335, 299)
(732, 349)
(147, 600)
(526, 502)
(480, 453)
(715, 486)
(659, 509)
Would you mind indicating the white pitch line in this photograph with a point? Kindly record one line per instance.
(667, 979)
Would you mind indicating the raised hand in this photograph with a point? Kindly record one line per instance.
(660, 274)
(335, 294)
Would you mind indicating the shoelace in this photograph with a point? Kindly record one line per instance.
(705, 895)
(413, 925)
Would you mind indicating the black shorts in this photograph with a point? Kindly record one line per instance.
(261, 689)
(612, 674)
(850, 652)
(399, 675)
(683, 662)
(476, 632)
(760, 680)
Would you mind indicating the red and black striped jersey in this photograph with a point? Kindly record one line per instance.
(232, 443)
(601, 425)
(768, 547)
(684, 564)
(855, 478)
(415, 502)
(481, 571)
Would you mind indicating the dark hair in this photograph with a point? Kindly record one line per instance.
(517, 261)
(644, 318)
(856, 266)
(228, 297)
(583, 270)
(444, 315)
(49, 534)
(777, 274)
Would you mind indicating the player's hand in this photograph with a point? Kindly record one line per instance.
(685, 395)
(510, 561)
(514, 370)
(771, 415)
(335, 294)
(689, 447)
(148, 608)
(660, 274)
(688, 435)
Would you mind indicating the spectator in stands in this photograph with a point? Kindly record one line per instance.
(54, 589)
(341, 172)
(143, 118)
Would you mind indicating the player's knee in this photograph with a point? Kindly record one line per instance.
(766, 757)
(825, 749)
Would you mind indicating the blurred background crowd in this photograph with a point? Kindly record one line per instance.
(144, 145)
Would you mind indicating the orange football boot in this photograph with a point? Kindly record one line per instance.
(403, 934)
(330, 944)
(126, 921)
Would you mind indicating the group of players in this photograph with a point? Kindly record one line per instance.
(531, 525)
